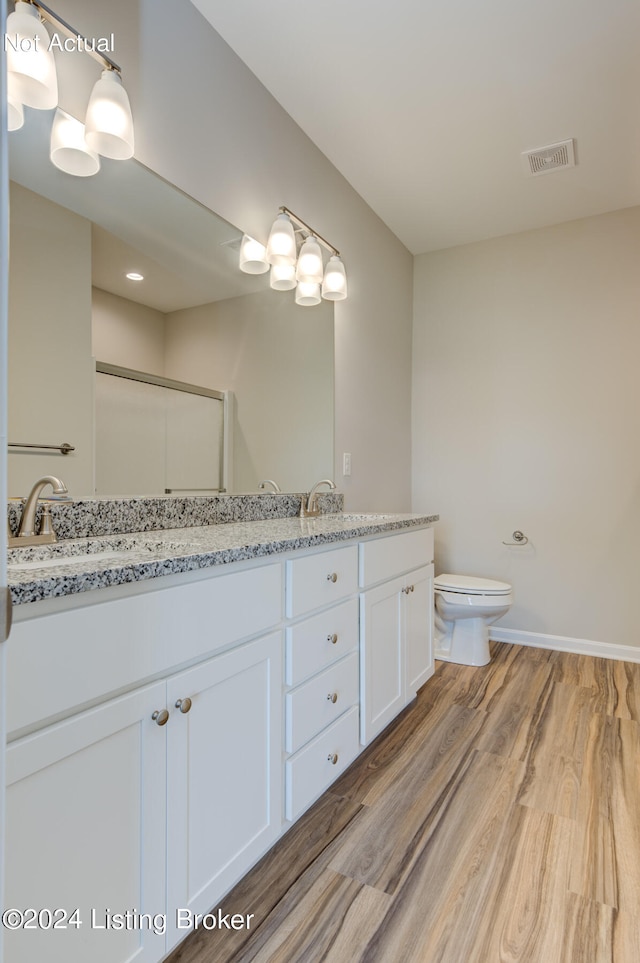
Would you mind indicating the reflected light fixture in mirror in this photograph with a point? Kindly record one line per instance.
(305, 270)
(15, 110)
(32, 81)
(69, 151)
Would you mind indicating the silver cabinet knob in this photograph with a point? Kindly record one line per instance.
(332, 577)
(160, 717)
(332, 758)
(333, 697)
(408, 588)
(332, 638)
(184, 705)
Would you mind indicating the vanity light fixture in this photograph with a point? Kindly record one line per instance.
(253, 256)
(32, 81)
(305, 270)
(310, 267)
(30, 62)
(281, 246)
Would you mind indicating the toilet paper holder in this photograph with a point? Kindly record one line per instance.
(519, 538)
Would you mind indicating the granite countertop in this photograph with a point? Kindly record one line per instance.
(76, 565)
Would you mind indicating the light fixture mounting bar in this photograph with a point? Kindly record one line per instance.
(318, 237)
(47, 14)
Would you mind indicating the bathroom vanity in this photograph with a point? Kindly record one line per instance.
(178, 698)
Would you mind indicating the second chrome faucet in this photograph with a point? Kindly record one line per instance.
(309, 503)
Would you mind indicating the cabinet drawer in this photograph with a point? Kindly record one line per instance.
(384, 558)
(315, 704)
(320, 579)
(317, 642)
(63, 661)
(312, 770)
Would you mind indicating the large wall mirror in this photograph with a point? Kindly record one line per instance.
(194, 319)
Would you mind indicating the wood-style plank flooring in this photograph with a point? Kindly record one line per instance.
(497, 820)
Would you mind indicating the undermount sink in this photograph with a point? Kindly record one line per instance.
(84, 552)
(366, 517)
(55, 561)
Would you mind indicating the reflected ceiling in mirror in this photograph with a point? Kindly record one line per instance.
(220, 328)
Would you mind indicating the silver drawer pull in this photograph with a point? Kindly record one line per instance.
(184, 705)
(332, 577)
(160, 717)
(332, 638)
(333, 697)
(332, 758)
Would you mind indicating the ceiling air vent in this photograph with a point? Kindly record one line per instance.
(543, 160)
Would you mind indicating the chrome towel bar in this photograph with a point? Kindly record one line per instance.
(65, 447)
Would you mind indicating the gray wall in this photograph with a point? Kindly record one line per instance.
(527, 415)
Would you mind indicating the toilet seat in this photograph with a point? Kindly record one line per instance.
(470, 585)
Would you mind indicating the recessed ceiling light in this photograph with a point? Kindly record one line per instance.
(134, 276)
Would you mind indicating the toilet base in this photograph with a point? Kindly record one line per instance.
(463, 641)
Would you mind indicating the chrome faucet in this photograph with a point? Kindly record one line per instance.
(269, 481)
(309, 503)
(26, 529)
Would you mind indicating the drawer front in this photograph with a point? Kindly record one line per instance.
(314, 644)
(385, 558)
(317, 703)
(312, 770)
(113, 644)
(321, 579)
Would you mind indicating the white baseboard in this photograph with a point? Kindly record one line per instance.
(561, 643)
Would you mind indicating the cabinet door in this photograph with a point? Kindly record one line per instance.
(418, 629)
(382, 684)
(224, 773)
(86, 823)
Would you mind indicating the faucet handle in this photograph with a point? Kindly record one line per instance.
(46, 525)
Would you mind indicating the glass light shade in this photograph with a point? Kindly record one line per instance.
(253, 256)
(30, 62)
(69, 151)
(308, 293)
(108, 124)
(281, 246)
(334, 283)
(283, 277)
(15, 111)
(310, 266)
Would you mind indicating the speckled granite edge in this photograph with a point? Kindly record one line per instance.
(86, 517)
(141, 557)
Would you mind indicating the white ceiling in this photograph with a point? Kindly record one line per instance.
(426, 105)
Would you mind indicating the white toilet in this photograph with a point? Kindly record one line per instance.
(465, 608)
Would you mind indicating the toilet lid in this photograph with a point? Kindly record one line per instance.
(470, 585)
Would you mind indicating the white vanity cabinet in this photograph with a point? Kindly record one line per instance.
(86, 821)
(322, 671)
(224, 773)
(165, 734)
(157, 799)
(396, 625)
